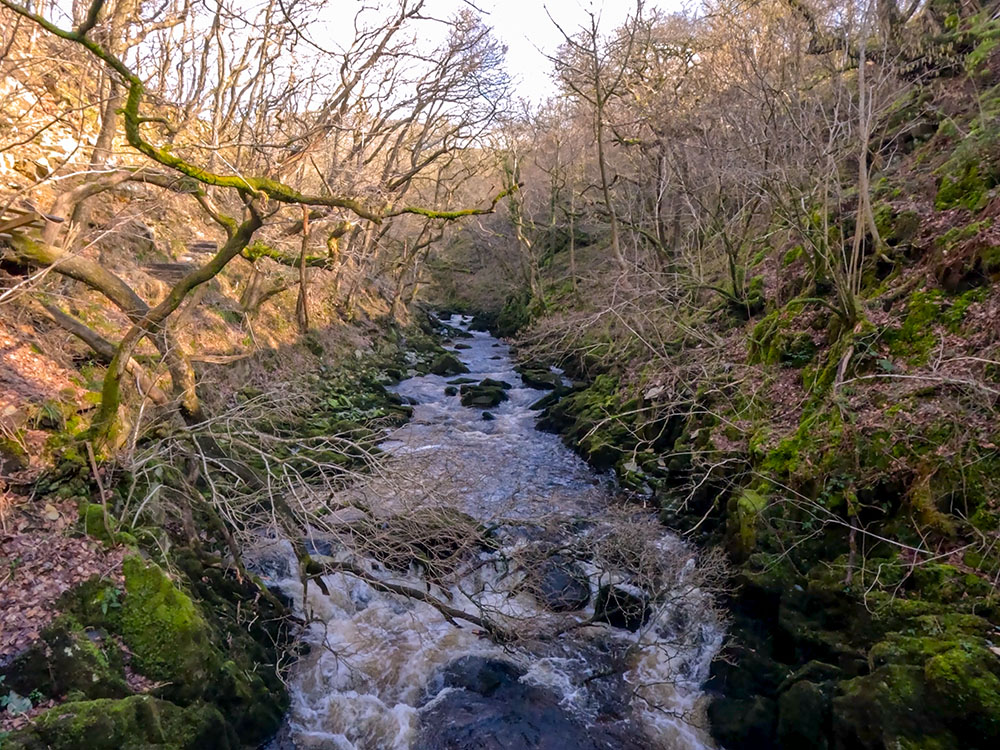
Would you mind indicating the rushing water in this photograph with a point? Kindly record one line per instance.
(392, 672)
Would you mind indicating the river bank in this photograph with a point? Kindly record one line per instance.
(864, 609)
(120, 625)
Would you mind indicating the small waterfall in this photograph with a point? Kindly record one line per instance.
(534, 543)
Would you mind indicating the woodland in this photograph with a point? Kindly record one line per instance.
(748, 251)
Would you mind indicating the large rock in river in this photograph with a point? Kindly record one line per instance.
(493, 709)
(562, 585)
(622, 606)
(448, 364)
(487, 394)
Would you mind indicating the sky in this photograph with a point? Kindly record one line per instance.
(528, 33)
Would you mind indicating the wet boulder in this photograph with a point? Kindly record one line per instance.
(491, 708)
(319, 544)
(451, 391)
(488, 416)
(481, 675)
(622, 606)
(448, 364)
(562, 585)
(549, 399)
(540, 378)
(491, 383)
(487, 394)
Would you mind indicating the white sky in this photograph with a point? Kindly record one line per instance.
(528, 33)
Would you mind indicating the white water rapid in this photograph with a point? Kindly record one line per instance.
(392, 672)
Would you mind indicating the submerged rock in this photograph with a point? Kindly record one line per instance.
(491, 383)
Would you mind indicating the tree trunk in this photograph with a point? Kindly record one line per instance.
(302, 303)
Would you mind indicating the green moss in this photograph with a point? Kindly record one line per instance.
(754, 299)
(955, 314)
(902, 649)
(775, 339)
(967, 190)
(744, 513)
(965, 679)
(915, 338)
(135, 723)
(792, 255)
(92, 516)
(989, 257)
(881, 710)
(67, 660)
(598, 421)
(167, 635)
(896, 228)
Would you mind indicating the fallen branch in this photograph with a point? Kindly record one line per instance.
(451, 614)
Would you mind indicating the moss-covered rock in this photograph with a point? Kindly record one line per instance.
(914, 339)
(883, 709)
(488, 393)
(537, 376)
(743, 516)
(69, 658)
(965, 685)
(777, 338)
(803, 716)
(169, 639)
(965, 190)
(136, 723)
(447, 364)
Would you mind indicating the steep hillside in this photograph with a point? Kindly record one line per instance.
(849, 467)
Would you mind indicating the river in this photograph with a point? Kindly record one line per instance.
(607, 634)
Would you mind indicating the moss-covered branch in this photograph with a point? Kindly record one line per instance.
(452, 215)
(262, 250)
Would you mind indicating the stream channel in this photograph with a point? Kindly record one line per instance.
(608, 638)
